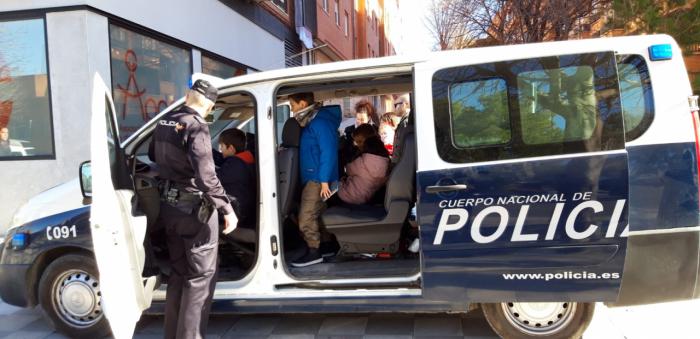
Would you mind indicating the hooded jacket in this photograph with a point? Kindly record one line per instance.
(366, 175)
(318, 149)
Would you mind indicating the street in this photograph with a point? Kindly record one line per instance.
(669, 320)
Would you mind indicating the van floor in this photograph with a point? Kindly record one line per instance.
(358, 268)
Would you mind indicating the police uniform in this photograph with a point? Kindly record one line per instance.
(191, 197)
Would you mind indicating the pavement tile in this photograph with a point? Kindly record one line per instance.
(440, 326)
(27, 335)
(476, 326)
(320, 336)
(56, 335)
(292, 336)
(296, 325)
(16, 322)
(150, 324)
(39, 325)
(252, 325)
(7, 309)
(147, 336)
(386, 336)
(343, 326)
(386, 324)
(219, 325)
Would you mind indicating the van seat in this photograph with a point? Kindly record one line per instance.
(368, 228)
(351, 214)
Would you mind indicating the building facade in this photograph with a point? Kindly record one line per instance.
(50, 49)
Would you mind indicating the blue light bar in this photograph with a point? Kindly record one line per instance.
(19, 241)
(660, 52)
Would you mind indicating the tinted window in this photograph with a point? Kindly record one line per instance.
(479, 113)
(526, 108)
(636, 95)
(221, 69)
(25, 112)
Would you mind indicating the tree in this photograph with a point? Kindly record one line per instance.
(679, 18)
(446, 27)
(499, 22)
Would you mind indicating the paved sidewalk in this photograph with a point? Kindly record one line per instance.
(670, 320)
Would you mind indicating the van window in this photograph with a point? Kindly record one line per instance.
(480, 113)
(636, 95)
(526, 108)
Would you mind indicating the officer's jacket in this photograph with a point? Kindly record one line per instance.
(181, 146)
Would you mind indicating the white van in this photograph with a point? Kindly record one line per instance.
(545, 177)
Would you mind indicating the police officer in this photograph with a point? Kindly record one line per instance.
(191, 197)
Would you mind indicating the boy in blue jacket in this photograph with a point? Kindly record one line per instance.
(318, 151)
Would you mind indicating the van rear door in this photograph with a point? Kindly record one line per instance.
(117, 234)
(522, 174)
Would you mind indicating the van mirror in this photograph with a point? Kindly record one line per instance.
(86, 179)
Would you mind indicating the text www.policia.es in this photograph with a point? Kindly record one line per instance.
(561, 276)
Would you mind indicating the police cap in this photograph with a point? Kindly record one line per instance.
(205, 88)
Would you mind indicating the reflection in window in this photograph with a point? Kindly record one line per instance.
(281, 4)
(220, 69)
(632, 95)
(479, 112)
(636, 95)
(25, 118)
(557, 105)
(147, 76)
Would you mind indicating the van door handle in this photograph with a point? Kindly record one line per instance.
(446, 188)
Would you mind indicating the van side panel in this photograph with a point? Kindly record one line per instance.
(663, 186)
(663, 246)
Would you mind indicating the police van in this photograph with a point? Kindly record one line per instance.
(545, 178)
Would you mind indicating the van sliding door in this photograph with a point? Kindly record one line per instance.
(522, 176)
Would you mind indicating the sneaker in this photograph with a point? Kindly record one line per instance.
(329, 249)
(312, 256)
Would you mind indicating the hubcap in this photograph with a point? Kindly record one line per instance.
(77, 298)
(539, 318)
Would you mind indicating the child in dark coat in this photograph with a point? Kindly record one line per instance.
(237, 174)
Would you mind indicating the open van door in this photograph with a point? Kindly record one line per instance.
(522, 174)
(117, 234)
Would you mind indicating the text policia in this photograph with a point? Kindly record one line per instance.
(455, 216)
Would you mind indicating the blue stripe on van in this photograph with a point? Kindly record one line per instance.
(663, 186)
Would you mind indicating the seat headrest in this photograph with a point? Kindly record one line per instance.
(291, 133)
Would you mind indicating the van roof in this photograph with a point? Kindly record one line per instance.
(475, 55)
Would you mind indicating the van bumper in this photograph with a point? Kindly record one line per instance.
(13, 286)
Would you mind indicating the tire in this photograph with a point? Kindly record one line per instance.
(539, 320)
(70, 297)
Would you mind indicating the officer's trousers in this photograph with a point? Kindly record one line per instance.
(193, 249)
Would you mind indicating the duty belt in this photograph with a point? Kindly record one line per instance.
(173, 193)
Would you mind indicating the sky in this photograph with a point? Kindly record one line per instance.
(416, 36)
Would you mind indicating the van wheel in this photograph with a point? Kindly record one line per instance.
(539, 320)
(70, 297)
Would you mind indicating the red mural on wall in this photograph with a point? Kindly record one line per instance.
(132, 91)
(5, 105)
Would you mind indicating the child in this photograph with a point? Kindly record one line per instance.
(237, 174)
(318, 153)
(367, 173)
(387, 128)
